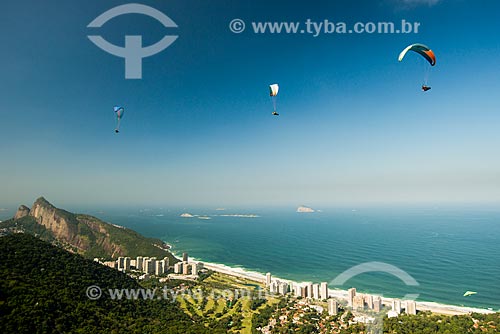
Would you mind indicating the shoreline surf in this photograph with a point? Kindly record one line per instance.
(241, 272)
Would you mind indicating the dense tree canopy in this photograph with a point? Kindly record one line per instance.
(43, 290)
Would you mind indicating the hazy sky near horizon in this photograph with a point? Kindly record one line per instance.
(354, 126)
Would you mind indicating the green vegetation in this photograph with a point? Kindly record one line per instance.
(28, 224)
(261, 318)
(222, 301)
(427, 323)
(43, 290)
(132, 243)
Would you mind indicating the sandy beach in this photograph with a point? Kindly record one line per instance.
(340, 294)
(449, 309)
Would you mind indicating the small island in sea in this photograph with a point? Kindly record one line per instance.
(305, 209)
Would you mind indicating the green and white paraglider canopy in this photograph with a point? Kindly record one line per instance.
(426, 54)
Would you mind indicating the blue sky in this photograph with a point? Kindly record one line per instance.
(354, 126)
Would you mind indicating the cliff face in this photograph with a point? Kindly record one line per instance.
(62, 224)
(22, 212)
(83, 234)
(102, 236)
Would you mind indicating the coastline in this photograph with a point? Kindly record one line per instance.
(433, 307)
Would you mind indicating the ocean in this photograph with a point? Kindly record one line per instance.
(447, 251)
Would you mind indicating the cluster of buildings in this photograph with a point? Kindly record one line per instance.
(305, 290)
(362, 301)
(311, 290)
(154, 266)
(276, 286)
(147, 265)
(187, 268)
(410, 307)
(304, 314)
(356, 301)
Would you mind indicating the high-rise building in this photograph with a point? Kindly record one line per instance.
(194, 269)
(283, 288)
(377, 304)
(304, 291)
(396, 306)
(184, 257)
(369, 301)
(138, 263)
(309, 290)
(273, 288)
(178, 268)
(185, 268)
(166, 263)
(159, 268)
(268, 279)
(333, 307)
(323, 290)
(298, 290)
(315, 291)
(411, 307)
(126, 264)
(149, 266)
(358, 302)
(164, 266)
(120, 262)
(351, 293)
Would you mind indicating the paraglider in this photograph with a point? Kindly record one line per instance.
(427, 54)
(273, 93)
(469, 293)
(119, 111)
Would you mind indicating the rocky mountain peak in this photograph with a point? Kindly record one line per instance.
(41, 201)
(22, 212)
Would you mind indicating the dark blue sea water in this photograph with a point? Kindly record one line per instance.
(446, 250)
